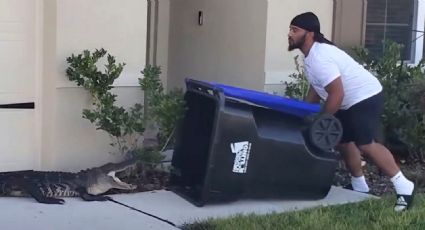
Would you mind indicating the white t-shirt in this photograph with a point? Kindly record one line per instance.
(325, 63)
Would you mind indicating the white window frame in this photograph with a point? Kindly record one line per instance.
(420, 28)
(418, 36)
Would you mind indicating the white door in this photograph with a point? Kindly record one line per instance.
(17, 85)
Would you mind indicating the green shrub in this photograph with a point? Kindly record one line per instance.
(126, 126)
(165, 108)
(412, 130)
(402, 119)
(298, 87)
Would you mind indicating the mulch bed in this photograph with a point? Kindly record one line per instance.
(149, 179)
(380, 184)
(146, 178)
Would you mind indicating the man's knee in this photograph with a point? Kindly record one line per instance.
(341, 146)
(345, 146)
(367, 148)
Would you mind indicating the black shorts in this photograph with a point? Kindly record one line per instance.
(361, 122)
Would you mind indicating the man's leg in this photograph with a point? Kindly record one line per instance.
(363, 118)
(383, 158)
(352, 158)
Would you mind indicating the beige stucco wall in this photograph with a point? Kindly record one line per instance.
(349, 26)
(163, 38)
(241, 42)
(70, 142)
(20, 44)
(228, 48)
(279, 61)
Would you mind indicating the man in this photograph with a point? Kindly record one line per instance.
(354, 96)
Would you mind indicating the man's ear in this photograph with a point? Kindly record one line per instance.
(310, 35)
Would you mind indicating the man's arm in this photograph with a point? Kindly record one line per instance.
(312, 96)
(335, 95)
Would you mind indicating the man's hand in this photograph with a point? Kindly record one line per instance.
(309, 119)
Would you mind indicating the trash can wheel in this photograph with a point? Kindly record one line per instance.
(325, 132)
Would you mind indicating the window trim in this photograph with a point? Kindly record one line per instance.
(417, 48)
(420, 28)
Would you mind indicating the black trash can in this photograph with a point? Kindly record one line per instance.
(236, 143)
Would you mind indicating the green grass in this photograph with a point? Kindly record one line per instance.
(370, 214)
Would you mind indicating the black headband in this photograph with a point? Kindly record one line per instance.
(307, 21)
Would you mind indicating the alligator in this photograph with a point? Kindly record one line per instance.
(46, 186)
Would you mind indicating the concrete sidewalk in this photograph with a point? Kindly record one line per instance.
(26, 213)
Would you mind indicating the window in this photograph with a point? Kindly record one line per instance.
(394, 20)
(369, 22)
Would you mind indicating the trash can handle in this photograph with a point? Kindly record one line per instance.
(202, 87)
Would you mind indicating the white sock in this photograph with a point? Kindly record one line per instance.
(402, 185)
(359, 184)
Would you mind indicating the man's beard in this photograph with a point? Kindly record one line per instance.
(298, 44)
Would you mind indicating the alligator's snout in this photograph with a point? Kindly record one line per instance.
(108, 178)
(121, 184)
(120, 172)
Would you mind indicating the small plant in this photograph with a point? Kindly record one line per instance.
(403, 119)
(413, 113)
(127, 127)
(124, 126)
(298, 87)
(417, 94)
(164, 108)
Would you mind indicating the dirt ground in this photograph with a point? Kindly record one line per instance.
(148, 178)
(380, 184)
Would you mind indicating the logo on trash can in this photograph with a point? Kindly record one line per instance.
(241, 151)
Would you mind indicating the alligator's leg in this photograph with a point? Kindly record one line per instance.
(34, 190)
(89, 197)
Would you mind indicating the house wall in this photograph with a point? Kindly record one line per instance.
(20, 26)
(242, 42)
(228, 48)
(279, 63)
(70, 142)
(239, 42)
(349, 24)
(163, 38)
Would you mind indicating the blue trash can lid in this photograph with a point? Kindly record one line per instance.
(275, 102)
